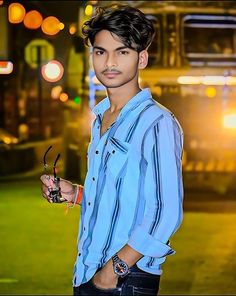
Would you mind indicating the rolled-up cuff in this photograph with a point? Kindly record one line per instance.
(144, 243)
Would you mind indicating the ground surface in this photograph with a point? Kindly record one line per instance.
(38, 245)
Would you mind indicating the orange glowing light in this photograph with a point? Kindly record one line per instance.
(16, 13)
(1, 2)
(64, 97)
(6, 67)
(56, 91)
(61, 26)
(72, 29)
(33, 20)
(51, 25)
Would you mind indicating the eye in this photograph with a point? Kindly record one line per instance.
(99, 52)
(123, 52)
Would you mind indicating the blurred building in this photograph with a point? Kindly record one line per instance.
(192, 71)
(26, 97)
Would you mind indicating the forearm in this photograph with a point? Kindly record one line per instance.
(127, 254)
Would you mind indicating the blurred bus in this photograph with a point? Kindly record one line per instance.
(192, 71)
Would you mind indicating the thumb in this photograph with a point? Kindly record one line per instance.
(47, 180)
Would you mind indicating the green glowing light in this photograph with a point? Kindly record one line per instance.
(77, 100)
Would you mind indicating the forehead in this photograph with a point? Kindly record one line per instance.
(107, 39)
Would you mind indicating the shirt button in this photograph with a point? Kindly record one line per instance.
(89, 203)
(84, 228)
(93, 179)
(97, 152)
(113, 151)
(79, 254)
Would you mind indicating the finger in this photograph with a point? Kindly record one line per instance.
(47, 198)
(47, 180)
(44, 188)
(46, 193)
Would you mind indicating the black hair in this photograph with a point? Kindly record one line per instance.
(130, 24)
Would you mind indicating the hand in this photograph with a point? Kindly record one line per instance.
(68, 190)
(105, 279)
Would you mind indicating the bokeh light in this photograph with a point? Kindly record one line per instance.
(229, 120)
(33, 20)
(61, 26)
(51, 25)
(16, 13)
(64, 97)
(210, 92)
(52, 71)
(6, 67)
(72, 29)
(77, 100)
(88, 10)
(56, 91)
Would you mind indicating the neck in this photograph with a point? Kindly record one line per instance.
(119, 97)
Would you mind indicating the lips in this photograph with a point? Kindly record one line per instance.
(111, 74)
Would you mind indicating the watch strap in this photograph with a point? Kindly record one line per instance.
(116, 258)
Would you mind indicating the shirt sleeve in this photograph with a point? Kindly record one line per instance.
(162, 189)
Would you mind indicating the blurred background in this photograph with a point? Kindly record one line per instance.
(47, 91)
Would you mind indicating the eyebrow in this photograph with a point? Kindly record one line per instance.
(117, 49)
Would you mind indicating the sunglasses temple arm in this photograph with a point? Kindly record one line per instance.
(54, 166)
(44, 157)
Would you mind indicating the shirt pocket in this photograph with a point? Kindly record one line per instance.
(118, 152)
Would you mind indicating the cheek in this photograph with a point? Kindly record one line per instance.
(130, 66)
(99, 65)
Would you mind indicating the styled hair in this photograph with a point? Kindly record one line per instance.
(131, 25)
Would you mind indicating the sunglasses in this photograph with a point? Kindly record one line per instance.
(55, 189)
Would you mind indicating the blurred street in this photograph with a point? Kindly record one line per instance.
(45, 238)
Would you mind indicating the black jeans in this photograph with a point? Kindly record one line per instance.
(137, 283)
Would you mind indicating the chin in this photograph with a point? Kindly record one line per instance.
(113, 84)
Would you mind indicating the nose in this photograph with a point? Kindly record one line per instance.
(111, 61)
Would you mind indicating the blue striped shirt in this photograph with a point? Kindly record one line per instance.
(133, 189)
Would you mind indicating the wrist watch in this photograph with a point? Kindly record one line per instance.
(120, 267)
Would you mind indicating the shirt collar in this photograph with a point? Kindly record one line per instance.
(140, 97)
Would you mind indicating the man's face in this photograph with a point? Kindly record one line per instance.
(114, 64)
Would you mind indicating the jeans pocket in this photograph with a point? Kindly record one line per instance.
(139, 291)
(101, 290)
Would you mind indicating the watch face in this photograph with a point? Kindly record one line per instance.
(121, 268)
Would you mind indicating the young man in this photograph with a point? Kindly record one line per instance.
(132, 196)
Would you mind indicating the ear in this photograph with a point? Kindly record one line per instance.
(143, 59)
